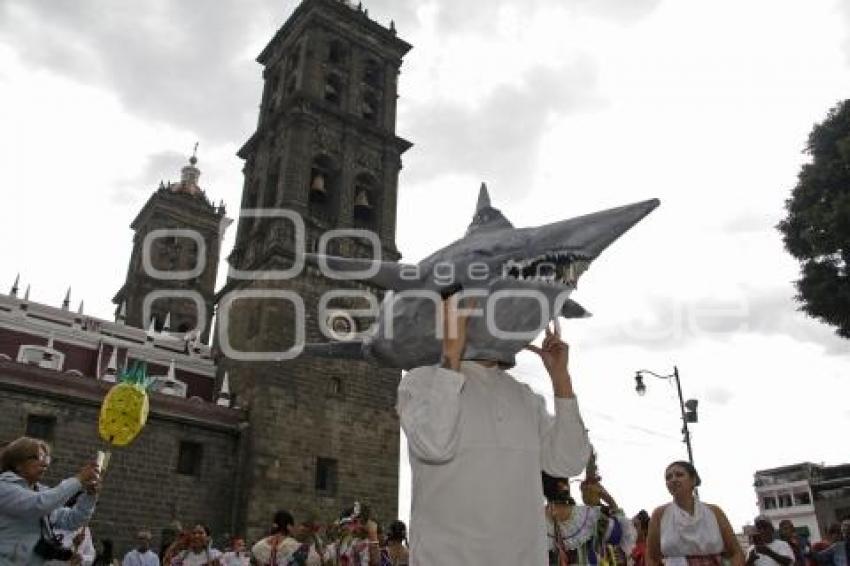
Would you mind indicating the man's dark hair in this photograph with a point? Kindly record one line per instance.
(689, 468)
(643, 519)
(397, 531)
(282, 519)
(554, 491)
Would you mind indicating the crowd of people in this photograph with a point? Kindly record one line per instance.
(492, 488)
(49, 525)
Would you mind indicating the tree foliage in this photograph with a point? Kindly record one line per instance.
(816, 229)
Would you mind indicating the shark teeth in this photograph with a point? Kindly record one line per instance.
(556, 267)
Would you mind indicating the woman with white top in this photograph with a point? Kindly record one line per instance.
(686, 531)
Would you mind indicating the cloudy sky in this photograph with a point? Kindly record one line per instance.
(563, 107)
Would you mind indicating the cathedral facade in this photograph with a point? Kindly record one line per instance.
(239, 428)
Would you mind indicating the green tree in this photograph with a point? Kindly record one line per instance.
(816, 230)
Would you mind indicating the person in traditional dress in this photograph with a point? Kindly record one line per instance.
(478, 440)
(237, 555)
(279, 546)
(584, 534)
(289, 545)
(199, 551)
(637, 557)
(686, 531)
(358, 543)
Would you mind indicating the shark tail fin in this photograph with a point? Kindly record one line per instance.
(337, 350)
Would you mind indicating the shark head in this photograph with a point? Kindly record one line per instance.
(520, 278)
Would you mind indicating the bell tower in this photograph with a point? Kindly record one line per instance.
(321, 174)
(170, 282)
(325, 144)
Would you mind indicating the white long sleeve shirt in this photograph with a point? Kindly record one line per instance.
(478, 440)
(136, 558)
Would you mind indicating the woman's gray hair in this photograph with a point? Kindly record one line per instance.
(19, 451)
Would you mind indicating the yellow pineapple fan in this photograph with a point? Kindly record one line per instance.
(124, 411)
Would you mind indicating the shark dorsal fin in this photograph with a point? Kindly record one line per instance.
(486, 217)
(483, 198)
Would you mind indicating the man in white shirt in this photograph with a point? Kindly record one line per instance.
(142, 555)
(478, 440)
(768, 550)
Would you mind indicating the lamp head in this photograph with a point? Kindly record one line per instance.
(639, 386)
(691, 412)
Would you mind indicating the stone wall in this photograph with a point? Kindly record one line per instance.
(142, 487)
(309, 408)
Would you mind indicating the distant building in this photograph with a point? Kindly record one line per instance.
(56, 365)
(812, 496)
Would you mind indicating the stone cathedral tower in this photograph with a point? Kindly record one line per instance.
(179, 230)
(322, 433)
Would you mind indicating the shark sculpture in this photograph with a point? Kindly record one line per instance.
(520, 278)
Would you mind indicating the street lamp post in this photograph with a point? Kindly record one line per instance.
(688, 408)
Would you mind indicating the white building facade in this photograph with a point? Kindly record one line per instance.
(786, 493)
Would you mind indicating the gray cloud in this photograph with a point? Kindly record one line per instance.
(162, 166)
(672, 324)
(480, 15)
(176, 62)
(774, 311)
(497, 140)
(190, 63)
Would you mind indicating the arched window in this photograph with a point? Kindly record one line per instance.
(334, 387)
(323, 191)
(334, 89)
(337, 52)
(372, 75)
(365, 202)
(272, 178)
(369, 107)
